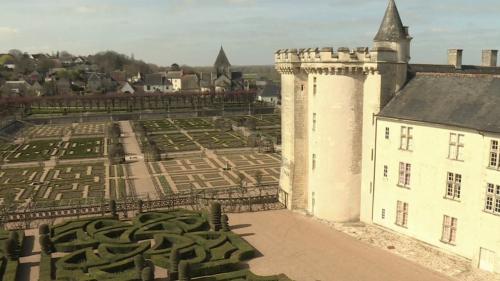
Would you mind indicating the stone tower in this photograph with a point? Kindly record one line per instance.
(222, 65)
(329, 99)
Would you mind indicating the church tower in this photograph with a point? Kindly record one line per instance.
(222, 65)
(329, 99)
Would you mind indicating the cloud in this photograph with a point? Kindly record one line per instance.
(5, 30)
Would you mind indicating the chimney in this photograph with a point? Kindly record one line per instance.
(455, 58)
(489, 58)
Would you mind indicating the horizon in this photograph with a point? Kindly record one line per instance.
(149, 30)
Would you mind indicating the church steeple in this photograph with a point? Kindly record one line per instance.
(391, 29)
(222, 65)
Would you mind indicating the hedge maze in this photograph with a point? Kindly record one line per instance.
(188, 245)
(61, 185)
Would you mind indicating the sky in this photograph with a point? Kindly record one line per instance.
(192, 31)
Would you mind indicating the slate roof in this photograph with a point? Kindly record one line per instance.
(270, 90)
(174, 74)
(221, 60)
(154, 79)
(462, 100)
(190, 82)
(391, 28)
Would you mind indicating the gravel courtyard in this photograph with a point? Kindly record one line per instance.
(309, 250)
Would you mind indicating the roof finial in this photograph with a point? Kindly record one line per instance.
(391, 29)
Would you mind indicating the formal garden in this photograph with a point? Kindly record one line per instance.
(43, 150)
(152, 126)
(173, 142)
(190, 124)
(218, 139)
(178, 245)
(63, 185)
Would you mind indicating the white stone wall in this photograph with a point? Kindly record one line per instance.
(476, 229)
(336, 141)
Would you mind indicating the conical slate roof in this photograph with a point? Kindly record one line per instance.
(221, 59)
(391, 28)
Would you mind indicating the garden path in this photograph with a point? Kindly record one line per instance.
(140, 175)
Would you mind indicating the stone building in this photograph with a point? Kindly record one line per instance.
(223, 78)
(411, 147)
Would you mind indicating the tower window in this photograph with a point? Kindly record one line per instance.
(314, 161)
(386, 133)
(314, 122)
(385, 171)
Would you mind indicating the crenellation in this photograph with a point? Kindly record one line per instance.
(324, 55)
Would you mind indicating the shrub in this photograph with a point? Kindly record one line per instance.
(112, 208)
(184, 271)
(139, 262)
(11, 249)
(148, 274)
(215, 216)
(46, 244)
(43, 229)
(139, 206)
(173, 263)
(225, 223)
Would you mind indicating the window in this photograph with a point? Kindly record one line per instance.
(302, 88)
(383, 214)
(314, 122)
(385, 171)
(315, 79)
(402, 214)
(453, 185)
(315, 89)
(494, 154)
(456, 146)
(449, 230)
(386, 133)
(492, 204)
(404, 174)
(406, 138)
(314, 161)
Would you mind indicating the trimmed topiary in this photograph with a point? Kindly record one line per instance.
(148, 274)
(43, 229)
(215, 216)
(46, 244)
(225, 223)
(139, 206)
(139, 262)
(173, 263)
(184, 271)
(112, 208)
(11, 249)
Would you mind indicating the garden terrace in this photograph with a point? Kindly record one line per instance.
(192, 172)
(173, 142)
(58, 186)
(189, 124)
(108, 249)
(46, 131)
(36, 150)
(217, 139)
(82, 148)
(89, 129)
(153, 126)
